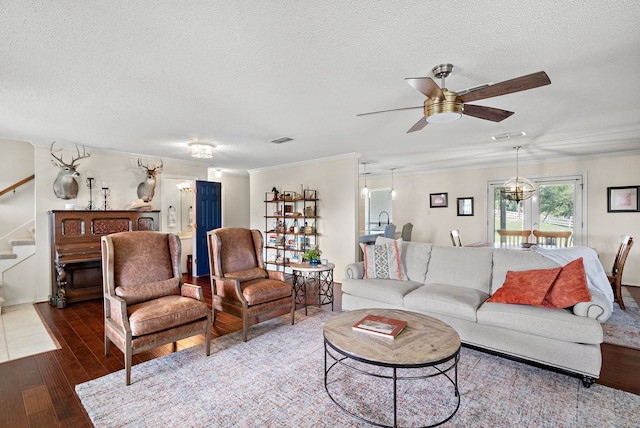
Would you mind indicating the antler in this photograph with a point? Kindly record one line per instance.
(84, 155)
(146, 167)
(73, 160)
(59, 159)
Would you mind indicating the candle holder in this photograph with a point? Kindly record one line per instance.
(90, 183)
(104, 192)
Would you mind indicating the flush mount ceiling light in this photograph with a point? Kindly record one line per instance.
(508, 135)
(517, 188)
(201, 149)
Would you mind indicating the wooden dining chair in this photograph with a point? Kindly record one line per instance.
(553, 238)
(615, 277)
(455, 238)
(513, 237)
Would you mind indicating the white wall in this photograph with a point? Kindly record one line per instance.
(16, 164)
(433, 224)
(335, 180)
(235, 199)
(122, 173)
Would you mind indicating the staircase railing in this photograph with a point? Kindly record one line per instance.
(13, 187)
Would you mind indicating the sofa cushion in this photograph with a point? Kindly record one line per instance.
(527, 287)
(387, 291)
(414, 256)
(460, 266)
(505, 260)
(460, 302)
(133, 294)
(558, 324)
(383, 261)
(570, 287)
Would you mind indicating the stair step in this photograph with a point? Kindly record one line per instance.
(7, 255)
(22, 241)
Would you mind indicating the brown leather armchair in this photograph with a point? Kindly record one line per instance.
(240, 284)
(146, 303)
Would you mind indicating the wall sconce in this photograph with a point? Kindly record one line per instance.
(218, 173)
(200, 149)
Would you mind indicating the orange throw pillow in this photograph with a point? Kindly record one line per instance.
(528, 287)
(570, 287)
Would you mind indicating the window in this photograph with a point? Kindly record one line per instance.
(558, 204)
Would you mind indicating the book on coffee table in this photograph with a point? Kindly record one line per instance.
(382, 326)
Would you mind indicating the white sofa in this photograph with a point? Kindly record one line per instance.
(453, 284)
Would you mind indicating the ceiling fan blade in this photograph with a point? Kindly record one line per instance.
(487, 113)
(393, 109)
(419, 125)
(518, 84)
(427, 86)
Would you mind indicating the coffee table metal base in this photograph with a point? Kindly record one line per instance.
(334, 358)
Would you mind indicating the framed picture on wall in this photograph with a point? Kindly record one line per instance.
(623, 199)
(465, 206)
(438, 200)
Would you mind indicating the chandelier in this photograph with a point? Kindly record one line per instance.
(517, 188)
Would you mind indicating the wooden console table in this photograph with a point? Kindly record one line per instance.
(76, 258)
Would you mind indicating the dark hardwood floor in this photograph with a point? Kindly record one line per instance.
(38, 391)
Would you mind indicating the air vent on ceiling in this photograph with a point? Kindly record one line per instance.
(281, 140)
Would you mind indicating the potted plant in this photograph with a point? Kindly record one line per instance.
(313, 256)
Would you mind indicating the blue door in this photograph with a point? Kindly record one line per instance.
(208, 217)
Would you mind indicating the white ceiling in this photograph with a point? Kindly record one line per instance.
(147, 77)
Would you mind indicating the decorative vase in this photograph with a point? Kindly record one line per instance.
(314, 262)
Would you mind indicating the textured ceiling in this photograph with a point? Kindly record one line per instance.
(147, 77)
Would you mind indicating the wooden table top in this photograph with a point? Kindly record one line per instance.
(424, 341)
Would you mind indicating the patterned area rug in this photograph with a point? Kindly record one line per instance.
(276, 380)
(623, 327)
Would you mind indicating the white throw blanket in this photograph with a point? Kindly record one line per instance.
(596, 277)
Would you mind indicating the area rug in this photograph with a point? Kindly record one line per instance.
(623, 327)
(23, 333)
(276, 380)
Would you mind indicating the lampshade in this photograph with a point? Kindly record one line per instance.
(517, 188)
(392, 192)
(200, 149)
(364, 192)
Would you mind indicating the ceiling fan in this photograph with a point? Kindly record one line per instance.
(443, 105)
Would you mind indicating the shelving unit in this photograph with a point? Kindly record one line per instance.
(284, 213)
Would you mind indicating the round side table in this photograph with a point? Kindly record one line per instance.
(317, 278)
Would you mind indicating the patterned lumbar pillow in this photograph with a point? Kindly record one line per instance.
(383, 261)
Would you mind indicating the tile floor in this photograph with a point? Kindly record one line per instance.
(22, 333)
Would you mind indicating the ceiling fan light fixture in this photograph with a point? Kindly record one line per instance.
(201, 150)
(443, 111)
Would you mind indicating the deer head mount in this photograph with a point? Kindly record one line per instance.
(147, 188)
(65, 186)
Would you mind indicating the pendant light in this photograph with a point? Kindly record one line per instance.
(517, 188)
(364, 192)
(392, 192)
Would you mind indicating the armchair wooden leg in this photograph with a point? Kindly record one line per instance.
(107, 345)
(207, 338)
(245, 325)
(213, 322)
(293, 310)
(127, 365)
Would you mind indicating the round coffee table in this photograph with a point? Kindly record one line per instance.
(424, 343)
